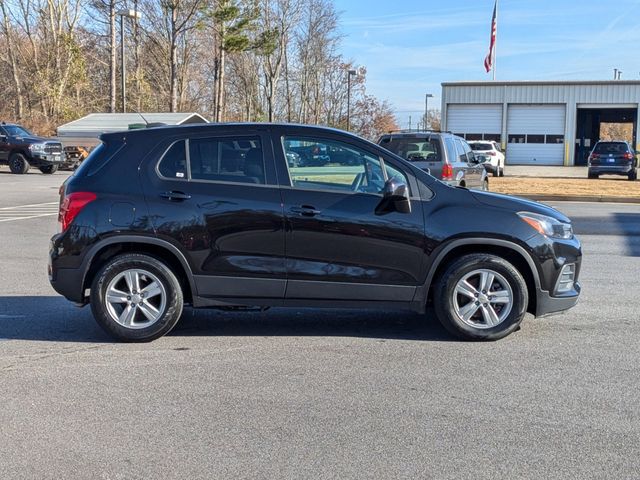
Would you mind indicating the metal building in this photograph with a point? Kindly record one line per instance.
(87, 130)
(540, 123)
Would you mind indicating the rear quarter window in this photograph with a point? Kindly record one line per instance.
(98, 158)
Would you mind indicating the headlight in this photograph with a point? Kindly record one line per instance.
(36, 147)
(548, 226)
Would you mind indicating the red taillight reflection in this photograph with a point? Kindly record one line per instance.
(447, 172)
(72, 205)
(628, 156)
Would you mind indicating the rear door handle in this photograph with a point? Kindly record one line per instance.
(305, 210)
(175, 196)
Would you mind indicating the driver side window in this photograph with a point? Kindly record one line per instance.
(322, 164)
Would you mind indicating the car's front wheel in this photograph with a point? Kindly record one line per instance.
(49, 169)
(136, 298)
(480, 297)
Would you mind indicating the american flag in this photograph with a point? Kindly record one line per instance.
(488, 60)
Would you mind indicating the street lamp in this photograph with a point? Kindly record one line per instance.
(350, 73)
(426, 110)
(135, 15)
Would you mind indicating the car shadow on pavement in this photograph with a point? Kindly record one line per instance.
(54, 319)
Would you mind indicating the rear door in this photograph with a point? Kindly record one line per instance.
(338, 246)
(215, 196)
(4, 145)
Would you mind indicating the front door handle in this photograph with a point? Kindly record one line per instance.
(175, 196)
(305, 210)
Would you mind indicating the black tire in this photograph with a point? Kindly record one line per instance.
(49, 169)
(18, 164)
(496, 173)
(169, 315)
(633, 175)
(501, 174)
(456, 271)
(593, 176)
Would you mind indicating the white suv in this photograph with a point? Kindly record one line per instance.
(494, 157)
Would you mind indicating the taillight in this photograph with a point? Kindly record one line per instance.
(628, 156)
(72, 205)
(447, 172)
(594, 156)
(492, 153)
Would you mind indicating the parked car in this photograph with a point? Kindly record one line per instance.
(613, 158)
(152, 221)
(21, 150)
(492, 151)
(446, 156)
(74, 156)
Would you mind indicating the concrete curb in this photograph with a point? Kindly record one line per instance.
(578, 198)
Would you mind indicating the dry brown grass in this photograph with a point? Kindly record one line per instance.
(609, 187)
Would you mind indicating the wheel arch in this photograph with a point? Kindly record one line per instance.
(155, 247)
(508, 250)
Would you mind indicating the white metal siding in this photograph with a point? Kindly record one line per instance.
(474, 118)
(537, 120)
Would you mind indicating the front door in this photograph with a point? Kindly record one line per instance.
(216, 197)
(339, 245)
(4, 145)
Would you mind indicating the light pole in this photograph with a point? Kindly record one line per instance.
(426, 110)
(135, 15)
(350, 73)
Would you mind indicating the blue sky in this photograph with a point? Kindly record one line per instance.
(410, 47)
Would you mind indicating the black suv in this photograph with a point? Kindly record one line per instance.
(444, 155)
(613, 158)
(215, 216)
(21, 149)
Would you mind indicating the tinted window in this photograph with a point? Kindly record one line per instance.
(535, 138)
(481, 147)
(611, 147)
(174, 162)
(424, 149)
(16, 131)
(238, 160)
(98, 158)
(332, 165)
(395, 173)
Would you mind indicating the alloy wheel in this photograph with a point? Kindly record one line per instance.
(482, 299)
(135, 298)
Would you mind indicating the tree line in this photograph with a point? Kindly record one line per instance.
(230, 60)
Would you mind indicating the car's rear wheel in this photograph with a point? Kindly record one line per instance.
(49, 169)
(633, 174)
(593, 176)
(136, 298)
(501, 171)
(18, 164)
(480, 297)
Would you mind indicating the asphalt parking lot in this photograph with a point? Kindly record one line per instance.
(316, 394)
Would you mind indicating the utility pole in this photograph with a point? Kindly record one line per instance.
(135, 15)
(426, 110)
(350, 73)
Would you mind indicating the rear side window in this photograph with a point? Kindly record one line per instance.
(452, 153)
(611, 147)
(415, 149)
(215, 159)
(462, 155)
(98, 158)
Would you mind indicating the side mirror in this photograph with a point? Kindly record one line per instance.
(395, 196)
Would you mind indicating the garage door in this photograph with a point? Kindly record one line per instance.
(535, 134)
(475, 122)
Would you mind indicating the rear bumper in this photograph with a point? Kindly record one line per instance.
(66, 281)
(611, 169)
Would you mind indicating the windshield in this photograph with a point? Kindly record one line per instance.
(414, 149)
(16, 131)
(611, 147)
(481, 147)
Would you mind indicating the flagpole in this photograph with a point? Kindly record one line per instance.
(495, 46)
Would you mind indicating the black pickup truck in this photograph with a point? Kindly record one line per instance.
(20, 149)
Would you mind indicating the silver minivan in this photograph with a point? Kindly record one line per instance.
(445, 156)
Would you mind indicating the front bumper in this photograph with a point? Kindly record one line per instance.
(48, 158)
(547, 305)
